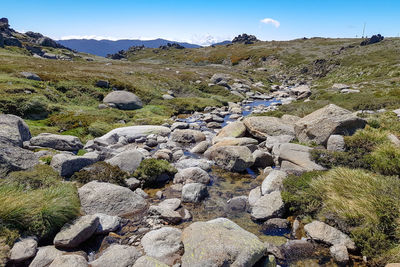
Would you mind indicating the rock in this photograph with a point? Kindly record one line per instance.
(110, 199)
(340, 86)
(167, 97)
(218, 77)
(276, 225)
(336, 143)
(171, 204)
(194, 192)
(301, 91)
(191, 162)
(107, 223)
(291, 119)
(57, 142)
(23, 249)
(30, 76)
(297, 249)
(179, 125)
(13, 158)
(254, 195)
(298, 155)
(234, 129)
(339, 254)
(123, 100)
(231, 141)
(349, 91)
(232, 158)
(103, 84)
(159, 194)
(215, 243)
(239, 203)
(393, 139)
(71, 235)
(171, 216)
(262, 159)
(146, 261)
(187, 136)
(163, 244)
(262, 127)
(271, 141)
(13, 130)
(69, 260)
(322, 232)
(67, 164)
(268, 206)
(245, 39)
(192, 175)
(45, 256)
(117, 256)
(373, 40)
(200, 147)
(127, 161)
(133, 132)
(132, 183)
(273, 182)
(318, 126)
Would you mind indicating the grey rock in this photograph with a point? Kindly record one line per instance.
(13, 130)
(123, 100)
(179, 125)
(110, 199)
(273, 182)
(167, 97)
(187, 136)
(340, 254)
(336, 143)
(234, 129)
(254, 195)
(69, 260)
(13, 158)
(107, 223)
(318, 126)
(262, 159)
(210, 244)
(132, 183)
(323, 232)
(276, 224)
(268, 206)
(133, 132)
(171, 203)
(194, 192)
(191, 162)
(57, 142)
(45, 256)
(298, 155)
(146, 261)
(67, 164)
(297, 249)
(163, 244)
(239, 203)
(218, 77)
(73, 234)
(261, 127)
(232, 158)
(102, 84)
(30, 76)
(192, 175)
(117, 256)
(23, 249)
(166, 214)
(200, 147)
(127, 161)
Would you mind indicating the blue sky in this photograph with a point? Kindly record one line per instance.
(203, 21)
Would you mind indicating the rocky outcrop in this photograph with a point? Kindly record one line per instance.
(218, 242)
(245, 39)
(109, 199)
(232, 158)
(123, 100)
(262, 127)
(57, 142)
(318, 126)
(373, 40)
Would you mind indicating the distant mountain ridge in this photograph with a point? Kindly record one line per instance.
(104, 47)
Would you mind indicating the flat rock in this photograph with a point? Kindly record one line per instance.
(30, 76)
(254, 195)
(268, 206)
(298, 155)
(163, 244)
(170, 203)
(218, 242)
(127, 161)
(234, 129)
(117, 256)
(192, 175)
(57, 142)
(73, 234)
(191, 162)
(200, 147)
(169, 215)
(232, 158)
(45, 256)
(123, 100)
(261, 127)
(187, 136)
(110, 199)
(146, 261)
(14, 158)
(69, 260)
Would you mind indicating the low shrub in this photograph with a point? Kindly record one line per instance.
(102, 172)
(152, 171)
(385, 159)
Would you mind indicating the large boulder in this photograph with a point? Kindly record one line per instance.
(23, 249)
(45, 256)
(325, 233)
(73, 234)
(13, 130)
(268, 206)
(232, 158)
(67, 164)
(117, 256)
(220, 242)
(127, 161)
(56, 141)
(318, 126)
(336, 143)
(187, 136)
(262, 126)
(192, 175)
(123, 100)
(110, 199)
(298, 155)
(13, 158)
(234, 129)
(163, 244)
(132, 133)
(251, 143)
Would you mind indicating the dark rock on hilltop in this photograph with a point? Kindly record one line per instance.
(373, 40)
(172, 45)
(245, 38)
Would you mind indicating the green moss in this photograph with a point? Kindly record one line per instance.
(150, 171)
(102, 172)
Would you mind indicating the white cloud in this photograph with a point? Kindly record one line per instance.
(207, 39)
(271, 21)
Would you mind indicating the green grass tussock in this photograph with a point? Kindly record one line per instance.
(102, 172)
(150, 171)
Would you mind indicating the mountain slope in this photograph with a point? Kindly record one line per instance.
(104, 47)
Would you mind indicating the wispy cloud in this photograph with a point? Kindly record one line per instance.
(271, 21)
